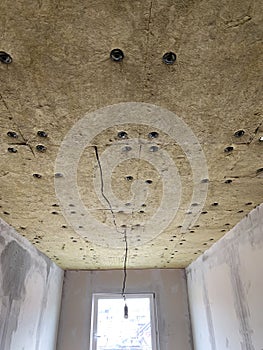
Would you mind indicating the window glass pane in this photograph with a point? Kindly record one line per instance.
(116, 332)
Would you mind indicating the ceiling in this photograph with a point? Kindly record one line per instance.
(168, 156)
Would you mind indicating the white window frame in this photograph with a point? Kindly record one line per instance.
(94, 315)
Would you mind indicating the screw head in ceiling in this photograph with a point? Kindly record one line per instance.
(12, 134)
(5, 57)
(41, 133)
(154, 149)
(228, 181)
(58, 175)
(169, 57)
(228, 149)
(153, 135)
(239, 133)
(12, 150)
(41, 148)
(122, 135)
(117, 55)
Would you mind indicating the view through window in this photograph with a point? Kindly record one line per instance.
(112, 331)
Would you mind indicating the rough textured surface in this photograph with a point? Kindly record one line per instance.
(170, 290)
(30, 290)
(225, 290)
(61, 71)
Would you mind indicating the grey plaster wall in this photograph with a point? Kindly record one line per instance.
(30, 294)
(170, 290)
(225, 289)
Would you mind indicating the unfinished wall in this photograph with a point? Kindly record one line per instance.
(225, 289)
(30, 294)
(171, 299)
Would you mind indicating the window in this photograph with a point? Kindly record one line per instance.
(110, 330)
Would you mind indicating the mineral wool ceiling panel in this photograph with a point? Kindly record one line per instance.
(93, 151)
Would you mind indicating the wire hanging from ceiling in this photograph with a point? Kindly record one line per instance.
(125, 275)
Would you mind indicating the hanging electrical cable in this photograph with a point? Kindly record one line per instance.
(125, 275)
(121, 134)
